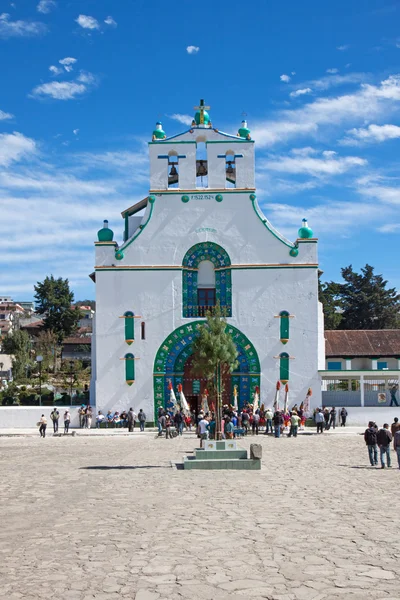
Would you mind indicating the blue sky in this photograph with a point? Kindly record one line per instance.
(84, 81)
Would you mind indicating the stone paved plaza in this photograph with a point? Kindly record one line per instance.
(107, 517)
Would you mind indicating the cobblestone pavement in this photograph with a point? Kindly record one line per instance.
(108, 518)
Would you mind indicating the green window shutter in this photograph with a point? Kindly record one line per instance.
(284, 367)
(284, 315)
(129, 327)
(129, 368)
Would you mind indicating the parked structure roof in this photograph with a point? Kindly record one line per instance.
(366, 342)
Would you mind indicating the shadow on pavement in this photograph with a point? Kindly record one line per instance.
(122, 467)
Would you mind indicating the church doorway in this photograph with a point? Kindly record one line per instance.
(173, 365)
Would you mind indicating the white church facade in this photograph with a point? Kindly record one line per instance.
(200, 238)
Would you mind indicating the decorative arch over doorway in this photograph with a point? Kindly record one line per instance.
(175, 351)
(206, 251)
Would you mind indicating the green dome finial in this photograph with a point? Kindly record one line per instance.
(244, 131)
(105, 234)
(201, 117)
(158, 133)
(305, 232)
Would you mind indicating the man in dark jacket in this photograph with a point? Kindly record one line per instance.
(131, 420)
(370, 440)
(332, 418)
(278, 422)
(178, 422)
(384, 438)
(343, 417)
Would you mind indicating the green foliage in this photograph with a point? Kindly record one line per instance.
(363, 301)
(214, 347)
(329, 295)
(18, 344)
(47, 346)
(54, 301)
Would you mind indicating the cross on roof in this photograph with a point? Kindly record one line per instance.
(202, 107)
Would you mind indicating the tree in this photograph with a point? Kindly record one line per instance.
(54, 301)
(18, 345)
(215, 354)
(329, 295)
(46, 345)
(366, 301)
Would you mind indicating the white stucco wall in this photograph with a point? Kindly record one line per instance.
(20, 417)
(148, 281)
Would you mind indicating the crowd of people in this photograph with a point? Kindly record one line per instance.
(325, 418)
(382, 438)
(234, 422)
(122, 419)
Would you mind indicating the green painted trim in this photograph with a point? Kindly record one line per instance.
(129, 368)
(308, 241)
(178, 268)
(267, 224)
(140, 229)
(284, 326)
(284, 366)
(126, 228)
(129, 327)
(170, 142)
(204, 191)
(373, 371)
(109, 244)
(234, 140)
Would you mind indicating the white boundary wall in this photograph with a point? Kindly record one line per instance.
(378, 414)
(16, 417)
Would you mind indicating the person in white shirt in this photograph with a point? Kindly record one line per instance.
(67, 420)
(42, 426)
(320, 421)
(203, 430)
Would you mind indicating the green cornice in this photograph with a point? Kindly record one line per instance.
(203, 191)
(233, 140)
(267, 224)
(168, 142)
(181, 268)
(140, 229)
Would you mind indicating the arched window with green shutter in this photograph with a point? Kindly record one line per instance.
(129, 368)
(129, 327)
(284, 367)
(285, 319)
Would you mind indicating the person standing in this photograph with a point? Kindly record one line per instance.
(82, 414)
(67, 420)
(294, 424)
(168, 427)
(228, 429)
(278, 422)
(203, 430)
(268, 421)
(396, 445)
(393, 400)
(326, 417)
(370, 440)
(384, 438)
(245, 421)
(320, 421)
(395, 426)
(161, 421)
(131, 420)
(142, 419)
(54, 416)
(178, 422)
(256, 422)
(42, 426)
(332, 419)
(89, 417)
(343, 417)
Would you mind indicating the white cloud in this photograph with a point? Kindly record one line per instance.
(46, 6)
(9, 28)
(87, 22)
(293, 73)
(343, 47)
(4, 115)
(335, 80)
(67, 63)
(110, 21)
(75, 131)
(301, 92)
(65, 90)
(332, 71)
(372, 133)
(285, 78)
(184, 119)
(55, 70)
(369, 102)
(379, 188)
(59, 90)
(14, 147)
(192, 49)
(389, 228)
(328, 164)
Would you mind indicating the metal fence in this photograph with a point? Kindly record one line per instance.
(347, 391)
